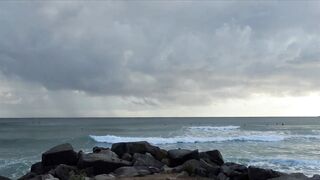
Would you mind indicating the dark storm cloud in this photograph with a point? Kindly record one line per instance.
(173, 52)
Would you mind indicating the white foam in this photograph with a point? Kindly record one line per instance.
(186, 139)
(217, 128)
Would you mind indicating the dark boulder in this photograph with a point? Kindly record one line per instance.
(127, 157)
(146, 160)
(61, 154)
(192, 167)
(133, 171)
(104, 177)
(212, 169)
(212, 156)
(37, 168)
(101, 163)
(294, 176)
(4, 178)
(141, 147)
(33, 176)
(97, 149)
(63, 172)
(179, 156)
(198, 168)
(235, 171)
(256, 173)
(315, 177)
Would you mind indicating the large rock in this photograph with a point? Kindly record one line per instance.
(197, 168)
(179, 156)
(293, 176)
(212, 156)
(37, 168)
(146, 160)
(97, 149)
(133, 171)
(63, 172)
(256, 173)
(61, 154)
(101, 163)
(235, 171)
(4, 178)
(315, 177)
(105, 151)
(104, 177)
(33, 176)
(192, 167)
(141, 147)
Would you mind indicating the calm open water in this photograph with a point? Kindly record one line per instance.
(285, 144)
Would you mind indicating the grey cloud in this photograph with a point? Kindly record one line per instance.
(169, 52)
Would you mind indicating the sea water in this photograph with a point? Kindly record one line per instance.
(288, 144)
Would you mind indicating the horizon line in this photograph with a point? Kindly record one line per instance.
(128, 117)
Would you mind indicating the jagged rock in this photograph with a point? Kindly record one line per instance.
(315, 177)
(212, 156)
(179, 156)
(104, 177)
(165, 161)
(256, 173)
(37, 168)
(63, 172)
(127, 157)
(166, 169)
(33, 176)
(193, 167)
(61, 154)
(293, 176)
(212, 169)
(4, 178)
(235, 171)
(97, 149)
(138, 147)
(133, 171)
(146, 160)
(101, 163)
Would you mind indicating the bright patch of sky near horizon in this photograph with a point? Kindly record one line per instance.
(139, 58)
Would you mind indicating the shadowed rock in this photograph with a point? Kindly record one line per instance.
(104, 177)
(179, 156)
(141, 147)
(146, 160)
(63, 172)
(256, 173)
(101, 163)
(61, 154)
(235, 171)
(133, 171)
(4, 178)
(293, 176)
(212, 156)
(37, 168)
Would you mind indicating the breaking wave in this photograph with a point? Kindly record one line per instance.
(207, 134)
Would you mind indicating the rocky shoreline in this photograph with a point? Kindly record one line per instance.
(141, 160)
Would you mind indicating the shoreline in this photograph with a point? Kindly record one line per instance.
(141, 160)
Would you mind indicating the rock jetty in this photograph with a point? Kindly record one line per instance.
(141, 160)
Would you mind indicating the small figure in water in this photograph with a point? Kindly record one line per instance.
(282, 124)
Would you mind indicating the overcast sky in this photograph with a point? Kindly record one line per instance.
(159, 58)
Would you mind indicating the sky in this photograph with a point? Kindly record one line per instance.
(159, 58)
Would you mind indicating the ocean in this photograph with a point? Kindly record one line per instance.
(288, 144)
